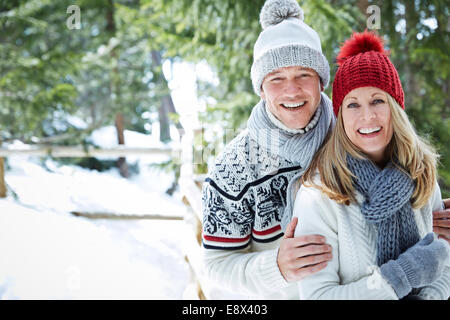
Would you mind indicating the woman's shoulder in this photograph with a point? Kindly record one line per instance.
(436, 198)
(311, 191)
(434, 203)
(315, 179)
(313, 207)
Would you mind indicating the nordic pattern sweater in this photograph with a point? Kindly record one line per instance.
(243, 202)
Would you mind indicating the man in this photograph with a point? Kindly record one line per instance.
(248, 196)
(249, 192)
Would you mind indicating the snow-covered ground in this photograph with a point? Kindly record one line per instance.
(47, 253)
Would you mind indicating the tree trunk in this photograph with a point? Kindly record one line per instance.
(363, 5)
(164, 124)
(412, 18)
(121, 162)
(115, 88)
(166, 105)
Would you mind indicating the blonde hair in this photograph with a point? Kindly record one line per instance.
(415, 156)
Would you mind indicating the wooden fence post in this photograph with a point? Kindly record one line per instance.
(192, 198)
(2, 176)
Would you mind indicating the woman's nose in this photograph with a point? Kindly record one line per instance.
(368, 113)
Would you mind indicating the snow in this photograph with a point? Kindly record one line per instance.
(48, 253)
(69, 188)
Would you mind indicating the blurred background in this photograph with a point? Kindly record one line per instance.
(111, 110)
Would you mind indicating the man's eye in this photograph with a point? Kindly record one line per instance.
(276, 79)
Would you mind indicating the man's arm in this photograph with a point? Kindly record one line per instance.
(441, 221)
(239, 269)
(260, 273)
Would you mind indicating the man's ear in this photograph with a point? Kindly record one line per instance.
(321, 85)
(263, 96)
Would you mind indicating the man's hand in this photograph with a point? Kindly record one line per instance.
(441, 222)
(301, 256)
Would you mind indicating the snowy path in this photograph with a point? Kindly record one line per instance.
(47, 253)
(49, 256)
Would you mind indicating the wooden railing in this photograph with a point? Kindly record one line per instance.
(190, 187)
(76, 152)
(79, 152)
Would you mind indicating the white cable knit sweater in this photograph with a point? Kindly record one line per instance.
(353, 272)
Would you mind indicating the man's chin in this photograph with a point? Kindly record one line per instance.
(294, 126)
(299, 122)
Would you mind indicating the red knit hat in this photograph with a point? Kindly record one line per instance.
(364, 63)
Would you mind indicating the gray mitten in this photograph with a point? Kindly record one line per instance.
(418, 266)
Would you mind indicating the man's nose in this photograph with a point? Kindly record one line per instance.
(292, 88)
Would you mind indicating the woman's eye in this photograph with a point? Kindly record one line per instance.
(352, 105)
(377, 101)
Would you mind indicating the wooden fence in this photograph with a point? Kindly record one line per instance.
(80, 152)
(190, 187)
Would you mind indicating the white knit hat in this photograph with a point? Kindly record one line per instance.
(286, 41)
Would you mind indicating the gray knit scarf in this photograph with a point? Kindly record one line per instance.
(387, 204)
(299, 148)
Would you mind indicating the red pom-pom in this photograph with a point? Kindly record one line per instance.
(360, 43)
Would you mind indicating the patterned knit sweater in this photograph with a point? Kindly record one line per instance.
(247, 198)
(353, 272)
(243, 201)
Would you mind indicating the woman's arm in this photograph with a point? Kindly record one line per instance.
(440, 289)
(318, 214)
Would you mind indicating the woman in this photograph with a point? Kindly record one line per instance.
(371, 190)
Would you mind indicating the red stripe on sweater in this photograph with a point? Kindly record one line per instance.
(220, 239)
(268, 231)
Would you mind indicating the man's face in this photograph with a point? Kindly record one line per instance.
(292, 94)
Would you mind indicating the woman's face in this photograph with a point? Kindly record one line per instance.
(367, 121)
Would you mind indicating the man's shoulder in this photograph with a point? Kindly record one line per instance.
(233, 168)
(244, 164)
(235, 149)
(244, 151)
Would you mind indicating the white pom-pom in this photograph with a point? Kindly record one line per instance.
(275, 11)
